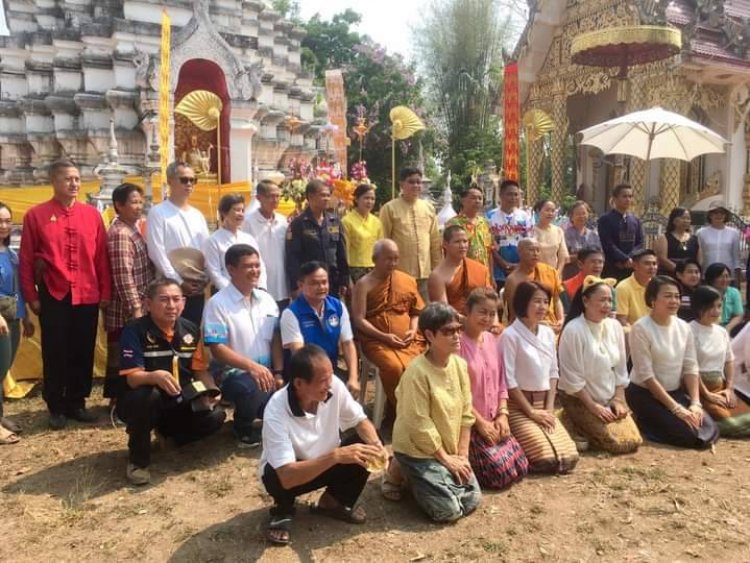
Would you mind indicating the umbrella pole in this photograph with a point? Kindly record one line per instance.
(393, 167)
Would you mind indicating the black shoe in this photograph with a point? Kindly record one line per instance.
(253, 438)
(82, 415)
(57, 421)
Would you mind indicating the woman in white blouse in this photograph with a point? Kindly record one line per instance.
(232, 216)
(551, 237)
(530, 363)
(716, 365)
(719, 242)
(664, 390)
(593, 371)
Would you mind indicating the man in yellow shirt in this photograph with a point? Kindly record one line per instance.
(412, 224)
(631, 300)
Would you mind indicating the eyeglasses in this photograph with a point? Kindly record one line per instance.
(451, 330)
(167, 299)
(187, 180)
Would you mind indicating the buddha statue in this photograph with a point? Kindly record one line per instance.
(199, 160)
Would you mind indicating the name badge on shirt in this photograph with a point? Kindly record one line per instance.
(333, 320)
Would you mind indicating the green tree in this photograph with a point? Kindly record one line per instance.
(375, 81)
(460, 48)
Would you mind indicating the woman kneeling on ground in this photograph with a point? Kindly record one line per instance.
(433, 424)
(495, 455)
(530, 362)
(593, 371)
(664, 388)
(716, 364)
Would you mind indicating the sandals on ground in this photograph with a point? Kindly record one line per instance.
(352, 515)
(7, 437)
(11, 425)
(390, 489)
(278, 524)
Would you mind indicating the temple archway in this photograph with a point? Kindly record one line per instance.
(203, 74)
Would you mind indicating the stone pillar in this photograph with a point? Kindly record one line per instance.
(669, 188)
(558, 138)
(241, 150)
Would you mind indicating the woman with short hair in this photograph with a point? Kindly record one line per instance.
(578, 235)
(433, 424)
(362, 229)
(689, 274)
(664, 390)
(593, 371)
(495, 455)
(719, 276)
(716, 366)
(231, 217)
(530, 362)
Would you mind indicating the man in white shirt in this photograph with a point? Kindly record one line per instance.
(174, 224)
(302, 449)
(240, 327)
(315, 317)
(269, 229)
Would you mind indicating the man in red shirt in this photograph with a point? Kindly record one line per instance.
(65, 278)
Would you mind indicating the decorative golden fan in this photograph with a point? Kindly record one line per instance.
(536, 123)
(405, 123)
(202, 108)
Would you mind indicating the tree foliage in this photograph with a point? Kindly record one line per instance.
(460, 51)
(375, 82)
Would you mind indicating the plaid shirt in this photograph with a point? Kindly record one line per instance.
(132, 271)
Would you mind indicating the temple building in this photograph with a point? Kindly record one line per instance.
(708, 80)
(69, 68)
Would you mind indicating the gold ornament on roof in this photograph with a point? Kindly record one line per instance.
(536, 123)
(202, 108)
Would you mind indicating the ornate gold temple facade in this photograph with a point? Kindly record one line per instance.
(707, 82)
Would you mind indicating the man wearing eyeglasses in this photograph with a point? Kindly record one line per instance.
(65, 278)
(174, 224)
(169, 388)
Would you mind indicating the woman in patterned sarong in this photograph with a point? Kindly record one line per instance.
(716, 365)
(495, 455)
(530, 362)
(593, 371)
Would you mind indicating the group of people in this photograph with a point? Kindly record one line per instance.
(504, 345)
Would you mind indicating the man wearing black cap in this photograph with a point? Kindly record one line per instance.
(165, 385)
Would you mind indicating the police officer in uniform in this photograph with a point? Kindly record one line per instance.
(317, 235)
(165, 384)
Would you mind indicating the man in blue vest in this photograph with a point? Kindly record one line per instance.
(315, 317)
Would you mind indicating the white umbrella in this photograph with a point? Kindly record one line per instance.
(654, 133)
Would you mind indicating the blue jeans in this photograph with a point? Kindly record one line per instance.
(240, 388)
(436, 491)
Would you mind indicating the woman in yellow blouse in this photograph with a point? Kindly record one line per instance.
(434, 417)
(361, 230)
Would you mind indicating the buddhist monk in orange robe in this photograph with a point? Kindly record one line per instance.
(385, 310)
(531, 269)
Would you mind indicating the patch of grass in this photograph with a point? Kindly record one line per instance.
(647, 473)
(495, 547)
(85, 487)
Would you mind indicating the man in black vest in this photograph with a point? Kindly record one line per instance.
(165, 384)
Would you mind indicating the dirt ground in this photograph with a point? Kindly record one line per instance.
(65, 498)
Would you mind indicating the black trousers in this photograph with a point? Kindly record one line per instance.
(345, 483)
(147, 408)
(68, 341)
(193, 310)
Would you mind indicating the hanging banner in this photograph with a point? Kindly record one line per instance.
(336, 100)
(164, 86)
(511, 123)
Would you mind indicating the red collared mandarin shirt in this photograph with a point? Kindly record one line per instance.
(71, 242)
